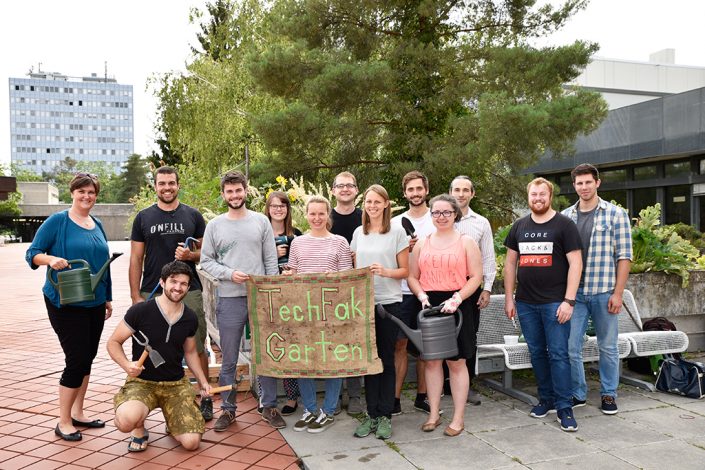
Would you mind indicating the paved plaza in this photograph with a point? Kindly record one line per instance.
(652, 430)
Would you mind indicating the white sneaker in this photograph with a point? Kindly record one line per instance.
(305, 421)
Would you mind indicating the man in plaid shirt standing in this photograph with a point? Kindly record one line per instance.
(606, 238)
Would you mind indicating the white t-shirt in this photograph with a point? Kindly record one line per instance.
(423, 227)
(381, 248)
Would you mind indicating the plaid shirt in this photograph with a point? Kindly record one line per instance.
(610, 241)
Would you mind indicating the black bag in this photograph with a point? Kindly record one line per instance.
(681, 377)
(650, 365)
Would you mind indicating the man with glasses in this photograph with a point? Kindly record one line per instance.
(346, 218)
(543, 254)
(478, 228)
(159, 235)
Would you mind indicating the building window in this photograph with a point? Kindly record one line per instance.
(677, 169)
(678, 204)
(613, 176)
(618, 196)
(702, 166)
(645, 172)
(643, 198)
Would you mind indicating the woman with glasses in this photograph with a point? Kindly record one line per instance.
(385, 250)
(446, 267)
(68, 235)
(318, 251)
(278, 211)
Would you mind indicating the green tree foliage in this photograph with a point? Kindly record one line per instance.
(20, 173)
(447, 87)
(203, 113)
(218, 35)
(132, 178)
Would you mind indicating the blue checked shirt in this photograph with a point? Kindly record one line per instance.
(610, 241)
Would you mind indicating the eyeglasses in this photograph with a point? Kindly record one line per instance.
(83, 175)
(437, 214)
(345, 185)
(277, 207)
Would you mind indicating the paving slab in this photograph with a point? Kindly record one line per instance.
(615, 432)
(663, 455)
(356, 459)
(671, 421)
(596, 460)
(462, 452)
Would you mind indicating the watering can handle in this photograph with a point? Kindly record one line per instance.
(50, 278)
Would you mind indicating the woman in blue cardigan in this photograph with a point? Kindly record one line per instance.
(66, 235)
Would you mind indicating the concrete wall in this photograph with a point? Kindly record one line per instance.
(38, 192)
(113, 216)
(661, 295)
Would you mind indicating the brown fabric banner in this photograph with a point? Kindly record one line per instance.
(313, 325)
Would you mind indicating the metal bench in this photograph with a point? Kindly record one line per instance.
(495, 356)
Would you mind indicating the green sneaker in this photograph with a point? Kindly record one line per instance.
(384, 428)
(367, 427)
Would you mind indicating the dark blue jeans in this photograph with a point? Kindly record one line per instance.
(548, 345)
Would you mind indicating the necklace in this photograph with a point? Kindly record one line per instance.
(83, 221)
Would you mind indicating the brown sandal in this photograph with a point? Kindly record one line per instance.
(453, 432)
(428, 427)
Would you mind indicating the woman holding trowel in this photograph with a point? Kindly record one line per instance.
(383, 248)
(69, 235)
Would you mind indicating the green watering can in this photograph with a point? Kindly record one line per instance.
(78, 285)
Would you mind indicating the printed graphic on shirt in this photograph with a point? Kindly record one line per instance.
(168, 228)
(536, 254)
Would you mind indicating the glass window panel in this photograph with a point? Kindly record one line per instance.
(643, 198)
(677, 169)
(619, 196)
(645, 172)
(612, 176)
(678, 204)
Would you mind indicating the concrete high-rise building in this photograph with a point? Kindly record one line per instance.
(54, 116)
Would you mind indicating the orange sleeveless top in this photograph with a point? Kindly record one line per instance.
(443, 269)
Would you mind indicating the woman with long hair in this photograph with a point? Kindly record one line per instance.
(277, 208)
(318, 251)
(385, 250)
(446, 267)
(67, 235)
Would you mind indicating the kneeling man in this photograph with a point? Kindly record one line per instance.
(170, 327)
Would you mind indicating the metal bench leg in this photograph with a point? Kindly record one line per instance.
(507, 387)
(639, 383)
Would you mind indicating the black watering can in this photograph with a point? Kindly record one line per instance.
(437, 336)
(78, 285)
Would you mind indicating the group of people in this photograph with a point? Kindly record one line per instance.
(437, 253)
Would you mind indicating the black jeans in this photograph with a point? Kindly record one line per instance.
(79, 330)
(379, 388)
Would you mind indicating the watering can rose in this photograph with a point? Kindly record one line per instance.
(313, 325)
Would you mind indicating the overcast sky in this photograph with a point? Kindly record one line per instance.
(140, 39)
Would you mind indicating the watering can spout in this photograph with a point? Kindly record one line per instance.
(413, 335)
(99, 275)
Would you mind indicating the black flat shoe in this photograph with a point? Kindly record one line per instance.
(289, 410)
(74, 436)
(96, 423)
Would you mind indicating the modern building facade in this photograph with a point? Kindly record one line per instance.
(648, 152)
(54, 116)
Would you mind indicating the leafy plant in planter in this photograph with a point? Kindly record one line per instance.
(657, 248)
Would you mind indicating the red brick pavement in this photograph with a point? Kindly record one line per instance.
(31, 362)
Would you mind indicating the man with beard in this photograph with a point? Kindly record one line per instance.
(346, 218)
(478, 228)
(237, 244)
(545, 245)
(606, 235)
(159, 233)
(170, 326)
(415, 187)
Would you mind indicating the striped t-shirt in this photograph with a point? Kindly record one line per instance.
(309, 254)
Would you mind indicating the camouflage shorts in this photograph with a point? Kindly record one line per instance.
(177, 400)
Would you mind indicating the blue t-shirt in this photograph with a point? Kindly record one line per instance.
(60, 236)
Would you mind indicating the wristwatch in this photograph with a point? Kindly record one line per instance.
(570, 302)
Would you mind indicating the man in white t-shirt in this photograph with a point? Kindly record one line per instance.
(478, 228)
(415, 186)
